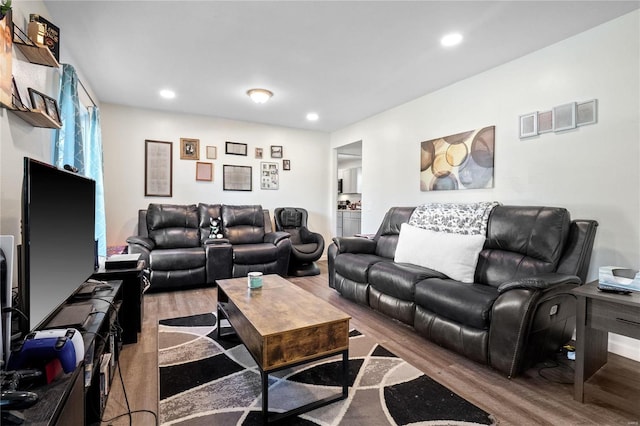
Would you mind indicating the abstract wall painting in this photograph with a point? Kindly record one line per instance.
(460, 161)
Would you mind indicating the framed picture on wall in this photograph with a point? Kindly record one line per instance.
(236, 178)
(286, 164)
(158, 168)
(528, 125)
(259, 153)
(545, 121)
(276, 151)
(204, 171)
(587, 112)
(212, 152)
(564, 117)
(189, 149)
(235, 148)
(269, 176)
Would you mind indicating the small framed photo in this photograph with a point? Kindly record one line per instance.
(236, 178)
(529, 125)
(189, 149)
(212, 152)
(235, 148)
(259, 153)
(37, 101)
(276, 151)
(16, 100)
(545, 121)
(286, 164)
(564, 117)
(52, 109)
(587, 112)
(204, 171)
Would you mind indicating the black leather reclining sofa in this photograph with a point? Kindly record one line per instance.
(188, 246)
(518, 309)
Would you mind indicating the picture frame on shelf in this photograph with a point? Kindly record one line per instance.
(259, 153)
(286, 164)
(528, 125)
(545, 121)
(564, 117)
(587, 112)
(52, 109)
(236, 178)
(189, 149)
(276, 151)
(212, 152)
(204, 171)
(235, 148)
(16, 99)
(158, 168)
(38, 102)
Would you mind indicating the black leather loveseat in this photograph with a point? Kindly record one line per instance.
(517, 307)
(193, 245)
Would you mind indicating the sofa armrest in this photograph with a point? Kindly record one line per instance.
(539, 282)
(276, 237)
(219, 260)
(145, 242)
(212, 241)
(355, 245)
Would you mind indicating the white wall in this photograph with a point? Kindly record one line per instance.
(594, 170)
(125, 129)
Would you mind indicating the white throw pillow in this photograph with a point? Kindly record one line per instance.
(455, 255)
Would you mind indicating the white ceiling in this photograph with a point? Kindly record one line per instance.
(345, 60)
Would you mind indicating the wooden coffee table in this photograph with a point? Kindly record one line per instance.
(283, 326)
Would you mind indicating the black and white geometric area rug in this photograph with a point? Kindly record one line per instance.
(204, 381)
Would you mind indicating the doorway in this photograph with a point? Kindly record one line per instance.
(349, 197)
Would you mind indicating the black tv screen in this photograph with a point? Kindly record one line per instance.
(58, 238)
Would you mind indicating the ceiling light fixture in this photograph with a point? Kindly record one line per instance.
(259, 96)
(167, 94)
(452, 39)
(312, 116)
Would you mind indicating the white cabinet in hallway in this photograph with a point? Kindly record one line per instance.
(348, 223)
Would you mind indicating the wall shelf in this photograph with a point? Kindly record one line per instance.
(37, 55)
(36, 118)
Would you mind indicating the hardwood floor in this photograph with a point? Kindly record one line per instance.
(540, 398)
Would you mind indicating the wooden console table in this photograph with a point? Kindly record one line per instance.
(598, 314)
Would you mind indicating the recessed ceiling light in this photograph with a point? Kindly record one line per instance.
(167, 94)
(259, 96)
(312, 116)
(451, 39)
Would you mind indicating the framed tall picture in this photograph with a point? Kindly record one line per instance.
(189, 149)
(528, 125)
(158, 168)
(269, 176)
(212, 152)
(236, 178)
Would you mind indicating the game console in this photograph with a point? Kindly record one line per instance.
(37, 351)
(71, 333)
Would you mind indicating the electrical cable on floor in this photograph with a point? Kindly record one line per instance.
(555, 364)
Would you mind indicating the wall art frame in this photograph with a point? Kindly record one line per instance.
(269, 175)
(158, 168)
(204, 171)
(528, 125)
(236, 178)
(587, 112)
(189, 149)
(235, 148)
(259, 153)
(545, 121)
(564, 117)
(212, 152)
(286, 164)
(276, 151)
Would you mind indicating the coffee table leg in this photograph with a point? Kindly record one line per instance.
(265, 397)
(345, 373)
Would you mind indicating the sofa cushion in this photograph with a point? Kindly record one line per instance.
(243, 224)
(249, 254)
(355, 267)
(177, 259)
(307, 248)
(455, 255)
(468, 304)
(173, 226)
(522, 241)
(399, 279)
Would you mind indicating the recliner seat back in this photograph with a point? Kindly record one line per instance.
(521, 242)
(290, 220)
(387, 236)
(173, 226)
(243, 224)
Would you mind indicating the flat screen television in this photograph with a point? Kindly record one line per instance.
(58, 252)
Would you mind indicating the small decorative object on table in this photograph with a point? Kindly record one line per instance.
(617, 279)
(254, 280)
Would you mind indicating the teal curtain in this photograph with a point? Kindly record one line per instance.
(79, 144)
(68, 146)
